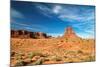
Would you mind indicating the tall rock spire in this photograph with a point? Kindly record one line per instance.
(69, 33)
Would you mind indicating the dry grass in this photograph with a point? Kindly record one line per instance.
(50, 51)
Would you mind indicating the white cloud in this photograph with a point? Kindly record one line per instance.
(31, 27)
(69, 17)
(66, 13)
(73, 13)
(16, 14)
(42, 7)
(44, 10)
(75, 16)
(83, 18)
(56, 9)
(22, 24)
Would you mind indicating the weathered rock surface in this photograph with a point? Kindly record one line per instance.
(69, 33)
(27, 34)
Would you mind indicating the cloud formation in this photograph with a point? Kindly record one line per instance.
(16, 14)
(81, 18)
(53, 18)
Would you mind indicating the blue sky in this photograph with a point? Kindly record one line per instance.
(53, 18)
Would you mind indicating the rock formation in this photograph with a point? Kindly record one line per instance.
(69, 33)
(27, 34)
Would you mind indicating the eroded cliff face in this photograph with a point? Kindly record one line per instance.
(69, 33)
(27, 34)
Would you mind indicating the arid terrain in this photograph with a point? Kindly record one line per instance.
(42, 49)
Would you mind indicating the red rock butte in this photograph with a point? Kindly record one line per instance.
(69, 33)
(27, 34)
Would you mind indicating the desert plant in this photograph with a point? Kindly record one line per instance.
(71, 61)
(13, 54)
(56, 58)
(70, 52)
(18, 57)
(79, 51)
(39, 61)
(46, 59)
(20, 63)
(32, 54)
(44, 55)
(89, 59)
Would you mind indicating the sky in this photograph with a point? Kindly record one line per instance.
(53, 18)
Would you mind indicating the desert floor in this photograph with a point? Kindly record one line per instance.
(50, 51)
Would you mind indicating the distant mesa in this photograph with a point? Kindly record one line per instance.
(69, 33)
(27, 34)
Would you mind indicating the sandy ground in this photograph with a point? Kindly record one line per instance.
(50, 51)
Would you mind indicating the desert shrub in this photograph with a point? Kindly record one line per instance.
(46, 59)
(56, 58)
(44, 55)
(20, 63)
(18, 57)
(90, 58)
(20, 53)
(13, 54)
(39, 61)
(79, 51)
(32, 54)
(70, 52)
(71, 61)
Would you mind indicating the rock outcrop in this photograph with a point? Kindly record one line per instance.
(69, 33)
(27, 34)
